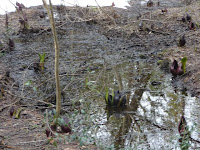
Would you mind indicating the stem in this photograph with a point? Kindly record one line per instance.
(58, 91)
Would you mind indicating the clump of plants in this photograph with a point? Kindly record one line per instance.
(9, 41)
(176, 69)
(22, 16)
(56, 125)
(117, 98)
(11, 44)
(15, 112)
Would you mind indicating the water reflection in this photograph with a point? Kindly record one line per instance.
(152, 114)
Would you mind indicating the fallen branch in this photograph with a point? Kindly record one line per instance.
(39, 141)
(4, 107)
(154, 21)
(164, 33)
(47, 103)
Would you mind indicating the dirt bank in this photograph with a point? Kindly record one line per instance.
(89, 38)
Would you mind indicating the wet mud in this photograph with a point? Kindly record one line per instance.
(128, 50)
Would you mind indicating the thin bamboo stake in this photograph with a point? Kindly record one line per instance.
(58, 91)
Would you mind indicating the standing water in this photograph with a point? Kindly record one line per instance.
(152, 115)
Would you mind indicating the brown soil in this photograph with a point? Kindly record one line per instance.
(190, 50)
(160, 36)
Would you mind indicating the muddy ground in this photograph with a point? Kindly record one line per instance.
(89, 38)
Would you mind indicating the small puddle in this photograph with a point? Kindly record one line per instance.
(151, 118)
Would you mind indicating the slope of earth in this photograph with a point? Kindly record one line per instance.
(88, 37)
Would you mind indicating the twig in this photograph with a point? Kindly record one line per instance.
(61, 75)
(3, 9)
(106, 13)
(17, 8)
(154, 21)
(4, 107)
(33, 142)
(47, 123)
(6, 146)
(26, 98)
(164, 33)
(193, 140)
(49, 104)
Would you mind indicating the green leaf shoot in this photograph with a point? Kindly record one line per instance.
(106, 88)
(42, 60)
(18, 113)
(113, 94)
(28, 83)
(120, 101)
(86, 82)
(183, 61)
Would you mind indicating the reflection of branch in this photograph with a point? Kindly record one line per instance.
(135, 122)
(124, 128)
(119, 79)
(160, 127)
(157, 126)
(193, 140)
(139, 92)
(141, 131)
